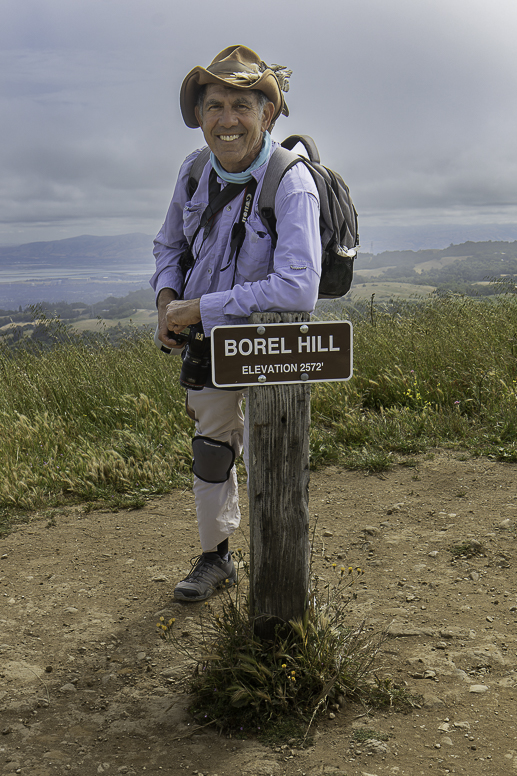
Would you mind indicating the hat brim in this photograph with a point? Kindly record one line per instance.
(199, 77)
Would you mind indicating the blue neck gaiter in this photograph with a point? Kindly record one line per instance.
(245, 175)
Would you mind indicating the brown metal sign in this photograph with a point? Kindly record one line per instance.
(276, 353)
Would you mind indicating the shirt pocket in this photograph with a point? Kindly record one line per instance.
(192, 213)
(254, 260)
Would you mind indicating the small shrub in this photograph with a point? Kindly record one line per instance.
(248, 685)
(467, 549)
(367, 734)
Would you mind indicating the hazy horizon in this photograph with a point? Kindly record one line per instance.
(373, 239)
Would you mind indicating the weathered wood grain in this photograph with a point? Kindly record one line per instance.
(279, 419)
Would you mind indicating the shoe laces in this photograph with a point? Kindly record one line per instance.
(198, 564)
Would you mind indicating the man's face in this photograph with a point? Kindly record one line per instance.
(233, 125)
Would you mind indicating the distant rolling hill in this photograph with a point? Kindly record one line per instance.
(467, 263)
(91, 251)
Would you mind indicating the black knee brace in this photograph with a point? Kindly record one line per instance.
(213, 460)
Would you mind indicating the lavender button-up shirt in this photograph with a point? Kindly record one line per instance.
(283, 279)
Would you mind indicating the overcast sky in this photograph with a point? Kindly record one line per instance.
(412, 101)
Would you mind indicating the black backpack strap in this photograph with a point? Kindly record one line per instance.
(196, 170)
(281, 160)
(221, 199)
(307, 142)
(230, 191)
(217, 197)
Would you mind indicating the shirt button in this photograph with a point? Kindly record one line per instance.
(228, 207)
(209, 271)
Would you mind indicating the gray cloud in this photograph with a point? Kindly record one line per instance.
(412, 101)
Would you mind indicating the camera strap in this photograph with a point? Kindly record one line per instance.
(239, 227)
(218, 199)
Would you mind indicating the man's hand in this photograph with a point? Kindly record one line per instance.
(181, 313)
(165, 296)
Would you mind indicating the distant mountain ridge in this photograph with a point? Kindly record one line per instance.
(137, 247)
(94, 251)
(472, 268)
(486, 251)
(134, 248)
(89, 268)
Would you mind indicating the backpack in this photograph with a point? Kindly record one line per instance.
(338, 216)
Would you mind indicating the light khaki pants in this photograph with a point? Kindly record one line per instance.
(219, 416)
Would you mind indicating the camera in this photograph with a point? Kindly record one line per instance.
(195, 370)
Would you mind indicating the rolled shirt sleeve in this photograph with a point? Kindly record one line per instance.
(170, 242)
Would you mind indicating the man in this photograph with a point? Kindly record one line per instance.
(235, 101)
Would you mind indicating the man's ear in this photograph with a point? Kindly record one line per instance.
(198, 116)
(267, 115)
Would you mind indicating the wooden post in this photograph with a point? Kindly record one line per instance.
(279, 420)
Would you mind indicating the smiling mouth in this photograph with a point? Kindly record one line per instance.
(228, 138)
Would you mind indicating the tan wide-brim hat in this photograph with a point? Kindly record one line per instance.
(237, 67)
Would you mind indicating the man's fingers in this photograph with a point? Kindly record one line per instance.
(181, 313)
(165, 335)
(175, 322)
(170, 343)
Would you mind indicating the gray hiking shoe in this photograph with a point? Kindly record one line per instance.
(209, 572)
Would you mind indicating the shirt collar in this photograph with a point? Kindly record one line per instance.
(245, 175)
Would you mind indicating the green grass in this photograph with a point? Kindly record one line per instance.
(439, 373)
(385, 290)
(91, 422)
(84, 420)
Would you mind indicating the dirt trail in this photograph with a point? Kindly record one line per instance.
(87, 687)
